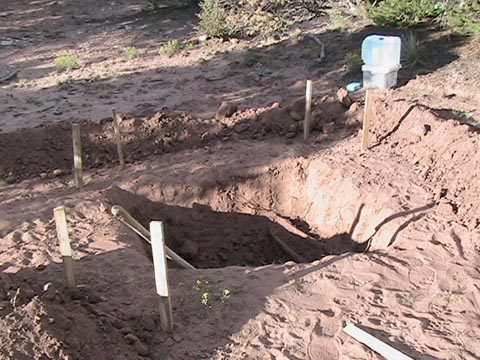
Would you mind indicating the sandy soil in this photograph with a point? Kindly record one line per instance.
(389, 238)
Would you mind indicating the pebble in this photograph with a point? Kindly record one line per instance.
(131, 338)
(226, 110)
(58, 172)
(141, 349)
(329, 128)
(49, 291)
(148, 323)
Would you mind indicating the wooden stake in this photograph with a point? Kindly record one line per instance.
(65, 248)
(77, 155)
(367, 120)
(123, 215)
(308, 110)
(161, 279)
(373, 343)
(118, 137)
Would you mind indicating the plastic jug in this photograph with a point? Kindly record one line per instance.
(381, 51)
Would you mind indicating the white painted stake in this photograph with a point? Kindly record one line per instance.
(118, 137)
(64, 242)
(373, 343)
(77, 155)
(367, 120)
(161, 279)
(308, 110)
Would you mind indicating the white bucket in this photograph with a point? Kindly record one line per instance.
(381, 55)
(380, 77)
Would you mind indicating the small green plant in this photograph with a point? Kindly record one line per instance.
(171, 48)
(22, 83)
(410, 49)
(66, 62)
(354, 62)
(131, 53)
(464, 17)
(3, 183)
(405, 13)
(210, 294)
(338, 20)
(213, 19)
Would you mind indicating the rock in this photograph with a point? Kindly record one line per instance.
(49, 291)
(6, 43)
(75, 294)
(131, 339)
(148, 323)
(445, 209)
(202, 38)
(189, 249)
(93, 299)
(58, 172)
(276, 105)
(141, 349)
(344, 98)
(43, 175)
(329, 128)
(290, 135)
(226, 110)
(296, 110)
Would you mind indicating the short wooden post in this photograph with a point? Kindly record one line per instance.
(308, 110)
(77, 155)
(161, 280)
(64, 242)
(118, 137)
(367, 120)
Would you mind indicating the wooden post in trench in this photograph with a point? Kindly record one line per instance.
(161, 275)
(65, 248)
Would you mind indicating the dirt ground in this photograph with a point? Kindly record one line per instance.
(389, 239)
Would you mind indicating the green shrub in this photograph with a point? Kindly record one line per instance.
(66, 62)
(171, 48)
(131, 53)
(464, 18)
(405, 13)
(354, 62)
(213, 19)
(3, 182)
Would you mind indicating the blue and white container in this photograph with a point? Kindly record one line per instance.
(381, 55)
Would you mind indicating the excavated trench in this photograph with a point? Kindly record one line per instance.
(271, 218)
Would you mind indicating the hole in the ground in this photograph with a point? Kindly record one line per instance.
(211, 239)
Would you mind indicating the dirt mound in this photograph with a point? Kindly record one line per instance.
(38, 151)
(443, 153)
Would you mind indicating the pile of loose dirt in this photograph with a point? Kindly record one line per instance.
(443, 153)
(46, 150)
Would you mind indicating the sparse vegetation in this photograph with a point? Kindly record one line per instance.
(354, 62)
(171, 48)
(131, 53)
(213, 19)
(410, 49)
(66, 62)
(409, 298)
(3, 183)
(210, 294)
(338, 19)
(405, 13)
